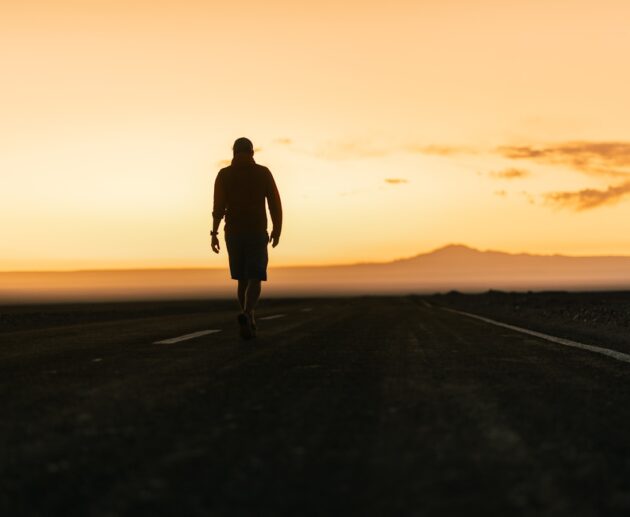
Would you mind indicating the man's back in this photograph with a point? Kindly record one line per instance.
(240, 193)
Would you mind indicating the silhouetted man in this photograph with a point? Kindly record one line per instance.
(240, 191)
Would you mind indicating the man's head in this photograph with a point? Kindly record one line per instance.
(243, 146)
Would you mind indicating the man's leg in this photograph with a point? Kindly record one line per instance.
(252, 296)
(242, 289)
(245, 319)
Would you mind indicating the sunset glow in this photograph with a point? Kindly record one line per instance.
(391, 128)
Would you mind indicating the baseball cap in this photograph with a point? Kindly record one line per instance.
(243, 145)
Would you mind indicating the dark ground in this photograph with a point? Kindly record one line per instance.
(366, 406)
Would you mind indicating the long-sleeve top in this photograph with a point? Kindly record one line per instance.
(240, 191)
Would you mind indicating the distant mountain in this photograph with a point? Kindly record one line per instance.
(451, 267)
(461, 254)
(464, 268)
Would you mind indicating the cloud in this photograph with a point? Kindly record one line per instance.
(395, 181)
(589, 198)
(595, 158)
(601, 159)
(223, 163)
(510, 174)
(500, 193)
(357, 149)
(438, 150)
(283, 141)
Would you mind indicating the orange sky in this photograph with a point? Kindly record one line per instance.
(500, 124)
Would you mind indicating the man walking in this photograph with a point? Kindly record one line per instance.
(240, 191)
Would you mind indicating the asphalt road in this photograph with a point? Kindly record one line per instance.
(368, 406)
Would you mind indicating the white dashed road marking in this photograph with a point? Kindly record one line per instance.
(186, 337)
(274, 317)
(194, 335)
(619, 356)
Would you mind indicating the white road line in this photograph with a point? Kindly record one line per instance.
(274, 317)
(619, 356)
(186, 337)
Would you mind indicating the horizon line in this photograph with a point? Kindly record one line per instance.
(305, 266)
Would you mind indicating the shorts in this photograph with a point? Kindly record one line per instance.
(248, 255)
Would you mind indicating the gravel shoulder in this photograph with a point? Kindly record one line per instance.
(597, 318)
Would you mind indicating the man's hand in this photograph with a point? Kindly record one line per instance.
(215, 244)
(274, 238)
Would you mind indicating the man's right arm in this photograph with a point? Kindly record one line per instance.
(218, 210)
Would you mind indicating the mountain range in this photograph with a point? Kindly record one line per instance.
(453, 267)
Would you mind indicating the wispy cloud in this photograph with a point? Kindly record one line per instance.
(500, 193)
(358, 149)
(283, 141)
(438, 150)
(595, 158)
(600, 159)
(510, 174)
(589, 198)
(395, 181)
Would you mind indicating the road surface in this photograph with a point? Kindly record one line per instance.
(366, 406)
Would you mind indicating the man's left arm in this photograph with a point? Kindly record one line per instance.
(275, 210)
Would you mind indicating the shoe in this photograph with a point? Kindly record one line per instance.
(245, 326)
